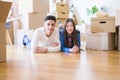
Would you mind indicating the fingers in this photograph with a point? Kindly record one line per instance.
(55, 44)
(41, 50)
(75, 49)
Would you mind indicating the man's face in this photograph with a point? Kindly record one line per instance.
(49, 26)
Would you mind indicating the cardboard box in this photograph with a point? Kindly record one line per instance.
(58, 6)
(64, 1)
(62, 7)
(26, 6)
(4, 10)
(33, 20)
(2, 53)
(101, 41)
(61, 14)
(2, 36)
(103, 24)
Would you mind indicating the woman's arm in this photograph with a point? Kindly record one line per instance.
(62, 42)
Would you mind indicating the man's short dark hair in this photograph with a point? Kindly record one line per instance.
(50, 17)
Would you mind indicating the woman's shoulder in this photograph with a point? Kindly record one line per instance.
(62, 31)
(77, 31)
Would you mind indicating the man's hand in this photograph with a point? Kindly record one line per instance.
(40, 50)
(55, 44)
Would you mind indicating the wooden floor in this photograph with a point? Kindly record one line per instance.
(87, 65)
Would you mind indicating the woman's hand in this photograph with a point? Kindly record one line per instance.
(75, 49)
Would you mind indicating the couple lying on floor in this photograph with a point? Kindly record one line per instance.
(51, 39)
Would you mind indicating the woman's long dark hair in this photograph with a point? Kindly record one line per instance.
(73, 35)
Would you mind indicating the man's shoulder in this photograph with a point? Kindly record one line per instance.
(56, 30)
(39, 29)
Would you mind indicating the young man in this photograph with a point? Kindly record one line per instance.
(46, 39)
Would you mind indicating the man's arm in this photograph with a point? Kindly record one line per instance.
(35, 41)
(55, 46)
(40, 50)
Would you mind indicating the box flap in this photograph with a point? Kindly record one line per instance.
(103, 18)
(4, 10)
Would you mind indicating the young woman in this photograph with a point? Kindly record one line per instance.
(70, 37)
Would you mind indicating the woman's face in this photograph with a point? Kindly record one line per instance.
(69, 27)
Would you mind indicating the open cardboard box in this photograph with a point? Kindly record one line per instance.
(103, 24)
(4, 10)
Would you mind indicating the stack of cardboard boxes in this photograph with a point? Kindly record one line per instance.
(4, 10)
(62, 12)
(59, 8)
(102, 34)
(33, 13)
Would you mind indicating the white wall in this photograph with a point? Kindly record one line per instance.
(81, 5)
